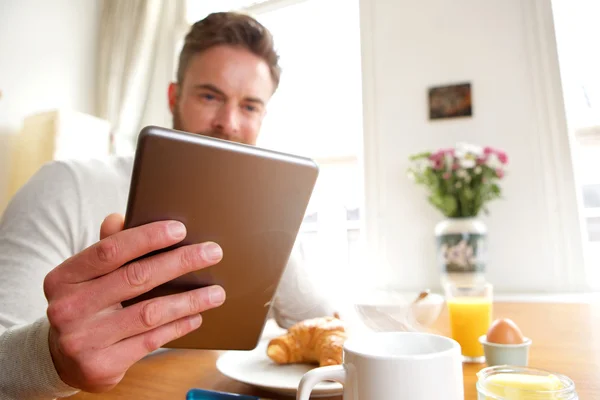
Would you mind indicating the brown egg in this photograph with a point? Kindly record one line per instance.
(504, 331)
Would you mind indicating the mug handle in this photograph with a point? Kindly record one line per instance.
(311, 378)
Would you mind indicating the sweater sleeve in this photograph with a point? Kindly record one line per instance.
(26, 364)
(37, 233)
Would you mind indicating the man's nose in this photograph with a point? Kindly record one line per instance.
(226, 121)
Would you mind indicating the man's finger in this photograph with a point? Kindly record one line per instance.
(142, 275)
(127, 352)
(118, 249)
(112, 224)
(150, 314)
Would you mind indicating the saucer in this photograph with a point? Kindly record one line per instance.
(255, 368)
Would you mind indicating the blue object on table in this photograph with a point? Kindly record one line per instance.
(203, 394)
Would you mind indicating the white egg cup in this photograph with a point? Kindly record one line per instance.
(506, 354)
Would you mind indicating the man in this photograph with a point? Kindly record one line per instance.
(62, 325)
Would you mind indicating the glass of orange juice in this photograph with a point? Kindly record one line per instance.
(470, 312)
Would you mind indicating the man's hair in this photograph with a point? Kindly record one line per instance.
(234, 29)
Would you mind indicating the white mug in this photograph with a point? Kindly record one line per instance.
(394, 365)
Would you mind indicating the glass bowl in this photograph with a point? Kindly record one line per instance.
(506, 382)
(392, 311)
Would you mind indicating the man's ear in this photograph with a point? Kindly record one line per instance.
(173, 96)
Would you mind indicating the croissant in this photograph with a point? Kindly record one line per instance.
(313, 341)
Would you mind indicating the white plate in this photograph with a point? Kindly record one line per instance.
(257, 369)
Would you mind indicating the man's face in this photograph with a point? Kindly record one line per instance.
(224, 94)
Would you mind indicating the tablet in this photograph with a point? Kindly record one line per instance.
(249, 200)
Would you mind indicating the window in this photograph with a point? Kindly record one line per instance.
(316, 112)
(577, 35)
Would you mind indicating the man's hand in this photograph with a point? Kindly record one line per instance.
(93, 339)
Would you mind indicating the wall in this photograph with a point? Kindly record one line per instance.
(409, 46)
(47, 60)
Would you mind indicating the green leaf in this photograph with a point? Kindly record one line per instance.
(420, 156)
(469, 199)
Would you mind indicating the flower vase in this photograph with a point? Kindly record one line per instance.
(461, 246)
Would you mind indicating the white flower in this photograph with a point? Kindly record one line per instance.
(468, 154)
(478, 170)
(458, 185)
(467, 162)
(464, 148)
(461, 173)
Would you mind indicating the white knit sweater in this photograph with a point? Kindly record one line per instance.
(57, 214)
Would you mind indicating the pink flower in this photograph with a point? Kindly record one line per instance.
(436, 156)
(482, 160)
(499, 173)
(440, 154)
(502, 157)
(455, 166)
(446, 175)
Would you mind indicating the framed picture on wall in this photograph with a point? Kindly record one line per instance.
(450, 101)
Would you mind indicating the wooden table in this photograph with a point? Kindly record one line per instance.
(566, 339)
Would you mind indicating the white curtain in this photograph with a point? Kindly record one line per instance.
(577, 36)
(137, 55)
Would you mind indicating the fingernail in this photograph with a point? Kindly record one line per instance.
(176, 230)
(196, 321)
(212, 251)
(216, 295)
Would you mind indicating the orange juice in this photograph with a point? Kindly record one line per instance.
(470, 317)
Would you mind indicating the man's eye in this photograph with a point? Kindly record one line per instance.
(207, 96)
(250, 108)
